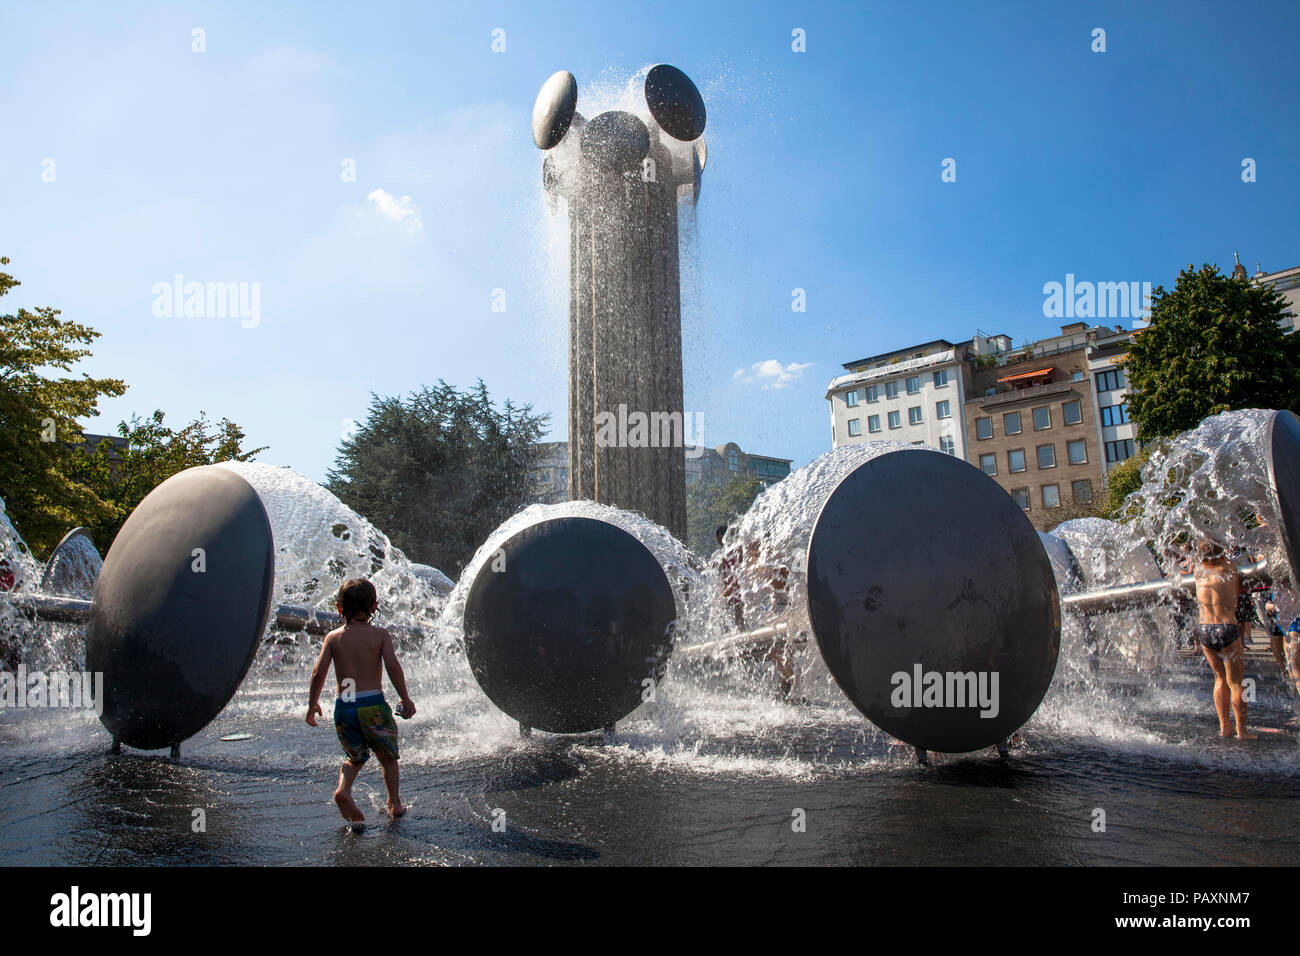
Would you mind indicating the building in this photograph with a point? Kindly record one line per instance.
(1037, 426)
(912, 395)
(1287, 282)
(729, 461)
(1116, 435)
(550, 472)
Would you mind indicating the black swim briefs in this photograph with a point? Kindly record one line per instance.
(1217, 637)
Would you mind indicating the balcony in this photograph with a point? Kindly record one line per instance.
(1027, 394)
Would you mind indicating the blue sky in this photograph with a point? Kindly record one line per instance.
(824, 174)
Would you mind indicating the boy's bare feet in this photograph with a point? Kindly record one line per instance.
(1245, 735)
(348, 807)
(396, 809)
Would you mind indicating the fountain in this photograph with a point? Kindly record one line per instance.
(622, 177)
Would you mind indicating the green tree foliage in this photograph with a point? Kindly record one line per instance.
(123, 478)
(713, 503)
(1214, 344)
(38, 422)
(1124, 479)
(438, 470)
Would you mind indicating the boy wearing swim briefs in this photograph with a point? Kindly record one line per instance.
(362, 719)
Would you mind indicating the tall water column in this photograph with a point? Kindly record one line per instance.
(622, 178)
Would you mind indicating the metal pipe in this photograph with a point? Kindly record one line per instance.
(1125, 596)
(288, 617)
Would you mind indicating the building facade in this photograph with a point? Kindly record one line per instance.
(911, 395)
(1287, 282)
(1033, 428)
(729, 461)
(550, 473)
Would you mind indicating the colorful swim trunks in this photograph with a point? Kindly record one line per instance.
(365, 724)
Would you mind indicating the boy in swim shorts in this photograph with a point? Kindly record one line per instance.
(362, 718)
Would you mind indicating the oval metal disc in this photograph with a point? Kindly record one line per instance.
(73, 567)
(615, 140)
(180, 606)
(1284, 470)
(562, 636)
(553, 110)
(933, 601)
(675, 102)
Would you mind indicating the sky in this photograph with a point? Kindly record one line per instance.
(214, 141)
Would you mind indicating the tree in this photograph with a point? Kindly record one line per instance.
(713, 503)
(38, 422)
(1124, 479)
(1214, 344)
(155, 452)
(439, 470)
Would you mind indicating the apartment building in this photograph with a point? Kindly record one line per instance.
(1033, 426)
(912, 395)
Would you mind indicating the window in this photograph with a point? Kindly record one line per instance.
(1042, 418)
(1077, 376)
(564, 476)
(989, 463)
(943, 410)
(891, 390)
(1082, 491)
(1110, 380)
(1046, 456)
(1011, 423)
(983, 428)
(894, 420)
(941, 378)
(947, 445)
(1051, 496)
(873, 393)
(851, 398)
(733, 459)
(913, 384)
(1077, 451)
(855, 428)
(873, 423)
(1117, 451)
(1021, 496)
(1072, 413)
(1016, 460)
(1115, 415)
(914, 415)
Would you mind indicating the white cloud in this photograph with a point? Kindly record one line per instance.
(771, 373)
(394, 209)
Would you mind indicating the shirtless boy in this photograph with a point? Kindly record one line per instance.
(362, 718)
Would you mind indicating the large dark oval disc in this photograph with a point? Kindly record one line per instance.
(933, 601)
(180, 606)
(553, 110)
(675, 102)
(565, 624)
(615, 140)
(1284, 469)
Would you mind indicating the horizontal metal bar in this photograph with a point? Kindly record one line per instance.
(1127, 596)
(288, 617)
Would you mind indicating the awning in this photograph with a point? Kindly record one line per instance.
(1023, 375)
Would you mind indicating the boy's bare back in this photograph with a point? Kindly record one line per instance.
(357, 651)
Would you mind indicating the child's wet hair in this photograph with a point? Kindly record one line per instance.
(357, 598)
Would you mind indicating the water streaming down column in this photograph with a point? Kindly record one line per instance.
(622, 177)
